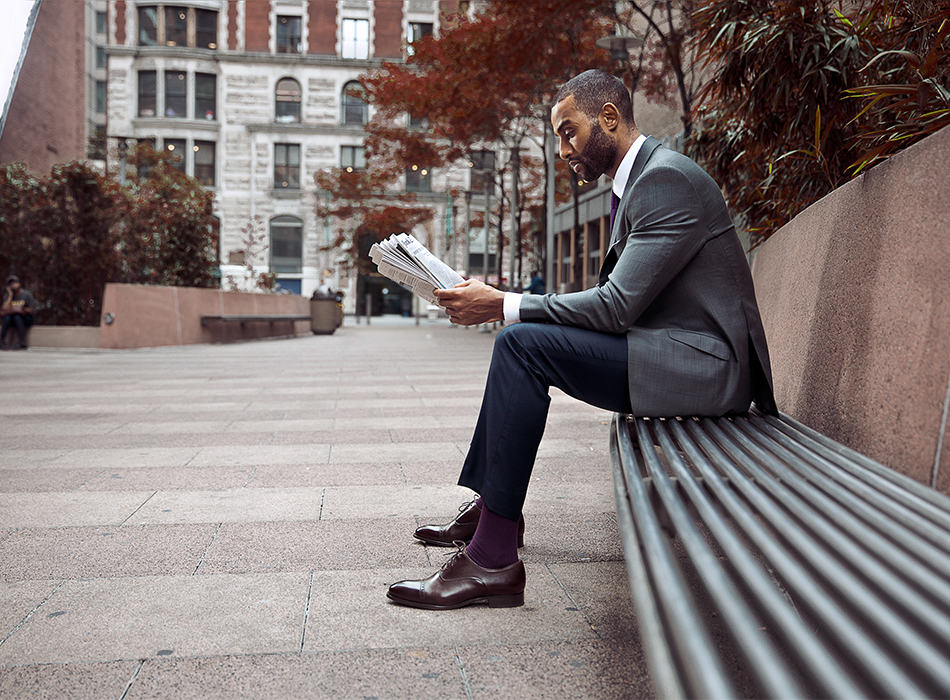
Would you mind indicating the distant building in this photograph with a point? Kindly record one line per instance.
(47, 118)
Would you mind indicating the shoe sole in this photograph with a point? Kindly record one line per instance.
(493, 601)
(442, 543)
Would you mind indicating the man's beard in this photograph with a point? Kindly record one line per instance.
(598, 154)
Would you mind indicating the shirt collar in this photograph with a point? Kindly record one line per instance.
(626, 165)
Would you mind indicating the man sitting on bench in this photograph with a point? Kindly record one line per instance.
(671, 329)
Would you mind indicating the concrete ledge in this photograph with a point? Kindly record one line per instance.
(855, 298)
(139, 316)
(64, 337)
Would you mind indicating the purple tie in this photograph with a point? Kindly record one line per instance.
(614, 203)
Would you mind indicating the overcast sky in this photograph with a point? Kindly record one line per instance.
(13, 17)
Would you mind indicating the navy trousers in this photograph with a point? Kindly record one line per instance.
(527, 360)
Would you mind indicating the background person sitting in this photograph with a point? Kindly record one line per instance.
(17, 311)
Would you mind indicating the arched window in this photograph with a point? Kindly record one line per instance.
(286, 245)
(354, 104)
(287, 101)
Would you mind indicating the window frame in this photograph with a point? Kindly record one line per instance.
(160, 23)
(174, 99)
(182, 164)
(295, 114)
(284, 166)
(288, 45)
(153, 95)
(352, 158)
(286, 264)
(354, 47)
(418, 179)
(351, 103)
(175, 34)
(207, 172)
(202, 32)
(204, 103)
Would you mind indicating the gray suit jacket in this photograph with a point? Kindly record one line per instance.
(676, 281)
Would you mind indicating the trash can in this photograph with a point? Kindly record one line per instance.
(324, 313)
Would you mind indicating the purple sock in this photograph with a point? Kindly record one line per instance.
(495, 543)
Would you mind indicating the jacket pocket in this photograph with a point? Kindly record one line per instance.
(702, 342)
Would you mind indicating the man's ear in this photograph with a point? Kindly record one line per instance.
(609, 116)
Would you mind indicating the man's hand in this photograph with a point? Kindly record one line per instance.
(472, 302)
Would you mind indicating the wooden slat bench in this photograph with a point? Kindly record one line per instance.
(827, 573)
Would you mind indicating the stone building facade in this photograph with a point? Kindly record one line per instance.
(256, 96)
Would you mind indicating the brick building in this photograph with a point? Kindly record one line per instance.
(256, 96)
(38, 130)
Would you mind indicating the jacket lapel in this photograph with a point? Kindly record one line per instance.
(619, 233)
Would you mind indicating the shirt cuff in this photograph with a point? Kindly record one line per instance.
(512, 307)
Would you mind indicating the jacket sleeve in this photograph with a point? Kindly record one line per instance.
(665, 227)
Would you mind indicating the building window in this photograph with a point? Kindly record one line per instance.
(418, 179)
(356, 38)
(482, 164)
(148, 26)
(354, 104)
(144, 167)
(205, 99)
(286, 245)
(417, 31)
(287, 166)
(100, 57)
(353, 158)
(206, 29)
(101, 27)
(204, 162)
(176, 148)
(288, 35)
(287, 101)
(147, 93)
(593, 255)
(100, 97)
(176, 26)
(176, 93)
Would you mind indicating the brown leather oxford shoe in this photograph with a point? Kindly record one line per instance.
(462, 582)
(462, 529)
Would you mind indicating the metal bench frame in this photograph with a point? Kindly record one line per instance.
(829, 572)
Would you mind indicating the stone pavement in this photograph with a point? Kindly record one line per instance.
(223, 521)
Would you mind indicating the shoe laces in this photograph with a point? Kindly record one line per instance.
(465, 506)
(449, 557)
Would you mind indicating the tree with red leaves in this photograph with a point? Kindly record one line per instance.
(484, 83)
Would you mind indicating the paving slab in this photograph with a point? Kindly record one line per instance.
(421, 674)
(104, 552)
(60, 509)
(231, 505)
(76, 681)
(151, 617)
(591, 668)
(324, 545)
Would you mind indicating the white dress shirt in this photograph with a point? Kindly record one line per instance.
(513, 299)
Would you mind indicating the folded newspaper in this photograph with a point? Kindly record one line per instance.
(405, 260)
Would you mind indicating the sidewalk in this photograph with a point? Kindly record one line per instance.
(223, 521)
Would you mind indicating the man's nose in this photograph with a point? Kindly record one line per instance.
(564, 148)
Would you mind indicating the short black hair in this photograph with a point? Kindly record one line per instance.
(593, 89)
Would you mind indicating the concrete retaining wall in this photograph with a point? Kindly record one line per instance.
(64, 337)
(144, 316)
(855, 297)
